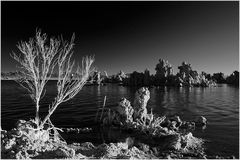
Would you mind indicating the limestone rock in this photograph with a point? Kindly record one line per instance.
(163, 70)
(143, 147)
(172, 142)
(189, 77)
(201, 121)
(120, 76)
(233, 78)
(97, 77)
(140, 102)
(65, 152)
(177, 120)
(125, 109)
(134, 79)
(191, 143)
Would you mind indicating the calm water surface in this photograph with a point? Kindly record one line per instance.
(220, 105)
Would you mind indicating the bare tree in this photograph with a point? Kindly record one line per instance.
(37, 61)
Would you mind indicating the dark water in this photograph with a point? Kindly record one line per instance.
(220, 105)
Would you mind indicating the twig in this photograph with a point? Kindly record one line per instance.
(103, 107)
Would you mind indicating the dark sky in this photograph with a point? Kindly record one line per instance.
(131, 36)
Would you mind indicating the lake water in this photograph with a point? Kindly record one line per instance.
(220, 105)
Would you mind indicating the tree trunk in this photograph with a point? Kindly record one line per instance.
(37, 113)
(49, 114)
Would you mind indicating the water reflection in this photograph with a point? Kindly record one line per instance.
(170, 100)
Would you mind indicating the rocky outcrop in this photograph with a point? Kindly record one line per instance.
(173, 133)
(139, 79)
(19, 147)
(120, 76)
(189, 77)
(164, 77)
(97, 77)
(163, 70)
(233, 78)
(134, 79)
(201, 121)
(125, 110)
(27, 141)
(140, 103)
(219, 77)
(120, 150)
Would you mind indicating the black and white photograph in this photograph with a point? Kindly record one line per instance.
(119, 80)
